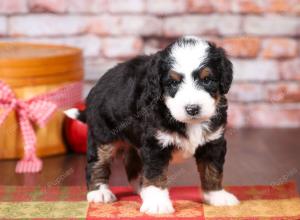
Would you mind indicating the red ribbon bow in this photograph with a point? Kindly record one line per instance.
(36, 110)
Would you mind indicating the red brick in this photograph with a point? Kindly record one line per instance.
(241, 46)
(279, 48)
(248, 6)
(13, 6)
(122, 47)
(255, 70)
(283, 6)
(272, 25)
(295, 8)
(90, 44)
(200, 6)
(95, 67)
(200, 25)
(277, 92)
(278, 6)
(87, 6)
(208, 6)
(257, 6)
(236, 115)
(166, 6)
(247, 92)
(290, 69)
(228, 25)
(221, 6)
(87, 86)
(275, 115)
(283, 92)
(46, 25)
(3, 26)
(47, 5)
(253, 6)
(126, 25)
(126, 6)
(264, 115)
(102, 25)
(152, 45)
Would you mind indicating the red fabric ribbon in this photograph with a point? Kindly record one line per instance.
(37, 110)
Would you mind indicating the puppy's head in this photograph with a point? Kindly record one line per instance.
(195, 74)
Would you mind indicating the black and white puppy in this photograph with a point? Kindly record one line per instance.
(155, 109)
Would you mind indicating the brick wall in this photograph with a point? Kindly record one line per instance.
(261, 36)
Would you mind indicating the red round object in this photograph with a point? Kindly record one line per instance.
(76, 133)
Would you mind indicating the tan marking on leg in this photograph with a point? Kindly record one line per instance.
(101, 170)
(106, 153)
(213, 193)
(159, 181)
(211, 178)
(155, 195)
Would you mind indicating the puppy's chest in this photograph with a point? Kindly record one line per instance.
(196, 136)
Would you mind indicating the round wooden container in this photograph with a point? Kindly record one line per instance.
(31, 70)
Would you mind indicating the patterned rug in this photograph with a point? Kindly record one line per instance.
(258, 202)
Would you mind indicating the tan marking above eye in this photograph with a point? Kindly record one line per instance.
(204, 73)
(175, 76)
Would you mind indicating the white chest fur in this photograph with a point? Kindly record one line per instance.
(197, 135)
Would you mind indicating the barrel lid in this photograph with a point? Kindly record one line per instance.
(14, 55)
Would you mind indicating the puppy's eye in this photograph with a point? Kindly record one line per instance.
(204, 73)
(175, 77)
(207, 80)
(173, 83)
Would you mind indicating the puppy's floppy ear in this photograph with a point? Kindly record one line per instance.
(225, 68)
(152, 90)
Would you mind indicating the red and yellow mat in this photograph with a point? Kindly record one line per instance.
(257, 203)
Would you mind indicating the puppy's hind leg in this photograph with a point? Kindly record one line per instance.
(133, 165)
(98, 172)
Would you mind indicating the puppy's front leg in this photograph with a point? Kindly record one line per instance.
(210, 159)
(154, 192)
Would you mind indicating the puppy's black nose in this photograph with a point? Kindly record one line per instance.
(192, 109)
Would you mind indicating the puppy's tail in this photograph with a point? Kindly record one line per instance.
(75, 113)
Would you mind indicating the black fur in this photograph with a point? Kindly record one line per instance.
(127, 104)
(222, 67)
(213, 152)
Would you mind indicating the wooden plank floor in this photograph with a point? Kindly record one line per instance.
(255, 156)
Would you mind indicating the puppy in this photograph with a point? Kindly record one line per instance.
(152, 108)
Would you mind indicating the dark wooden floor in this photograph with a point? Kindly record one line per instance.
(255, 156)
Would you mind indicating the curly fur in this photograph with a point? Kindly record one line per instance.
(129, 103)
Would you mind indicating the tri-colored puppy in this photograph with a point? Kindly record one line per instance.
(153, 107)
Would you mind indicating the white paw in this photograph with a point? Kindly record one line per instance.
(156, 201)
(220, 198)
(103, 194)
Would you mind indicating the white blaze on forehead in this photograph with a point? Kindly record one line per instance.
(187, 57)
(188, 54)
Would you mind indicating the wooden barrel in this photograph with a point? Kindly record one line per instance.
(31, 70)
